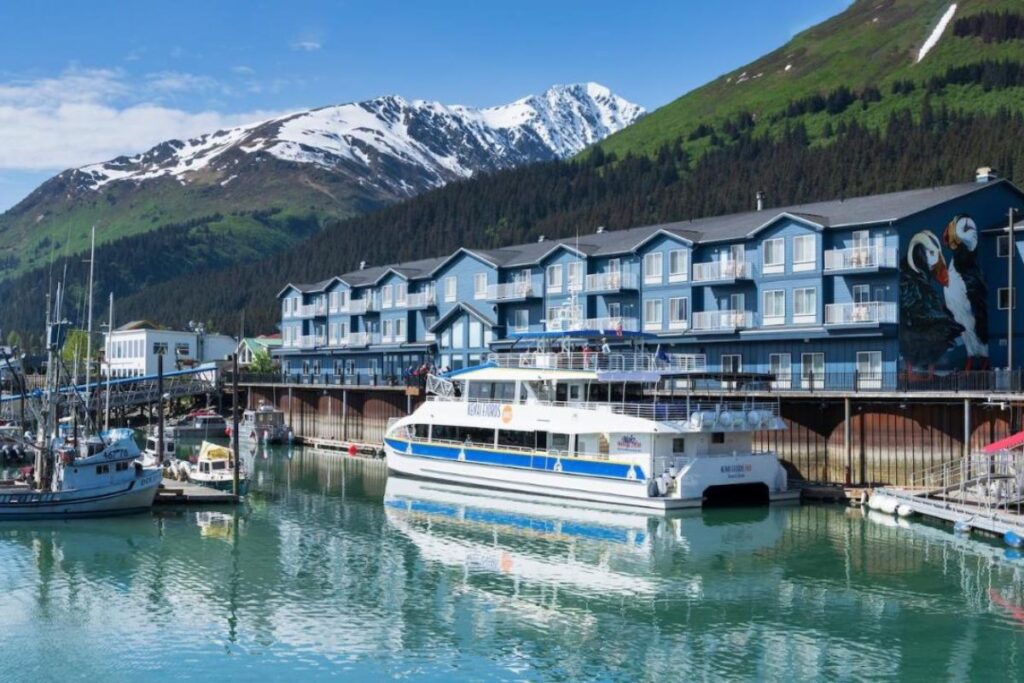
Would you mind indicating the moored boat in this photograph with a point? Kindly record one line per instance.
(198, 424)
(577, 426)
(266, 424)
(215, 468)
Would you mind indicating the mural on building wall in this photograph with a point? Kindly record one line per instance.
(943, 303)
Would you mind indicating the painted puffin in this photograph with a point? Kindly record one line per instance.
(967, 292)
(927, 327)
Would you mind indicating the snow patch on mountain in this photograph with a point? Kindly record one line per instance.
(401, 146)
(933, 39)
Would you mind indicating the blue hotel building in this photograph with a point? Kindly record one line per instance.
(912, 282)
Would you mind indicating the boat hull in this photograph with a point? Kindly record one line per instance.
(223, 484)
(137, 496)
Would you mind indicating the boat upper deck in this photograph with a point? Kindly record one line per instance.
(596, 361)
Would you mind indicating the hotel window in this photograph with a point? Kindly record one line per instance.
(805, 252)
(652, 267)
(386, 331)
(385, 296)
(480, 286)
(332, 334)
(614, 266)
(1003, 246)
(554, 278)
(861, 238)
(732, 362)
(342, 300)
(780, 365)
(342, 332)
(774, 260)
(476, 334)
(1004, 298)
(401, 295)
(652, 314)
(869, 369)
(575, 276)
(521, 320)
(399, 330)
(678, 313)
(446, 340)
(332, 301)
(805, 305)
(812, 370)
(159, 347)
(450, 285)
(774, 307)
(678, 265)
(861, 294)
(459, 334)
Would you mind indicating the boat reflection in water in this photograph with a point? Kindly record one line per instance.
(599, 550)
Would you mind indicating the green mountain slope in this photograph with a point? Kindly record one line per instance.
(871, 46)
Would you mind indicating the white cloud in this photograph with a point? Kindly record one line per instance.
(85, 116)
(306, 45)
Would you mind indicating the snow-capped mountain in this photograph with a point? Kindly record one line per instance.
(388, 147)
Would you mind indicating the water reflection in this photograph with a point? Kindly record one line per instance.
(332, 569)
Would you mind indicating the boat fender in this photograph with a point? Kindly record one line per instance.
(1013, 539)
(725, 419)
(352, 450)
(904, 510)
(696, 419)
(663, 484)
(754, 418)
(652, 489)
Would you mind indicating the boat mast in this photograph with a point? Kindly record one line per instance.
(106, 356)
(88, 341)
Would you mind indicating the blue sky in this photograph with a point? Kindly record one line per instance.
(85, 81)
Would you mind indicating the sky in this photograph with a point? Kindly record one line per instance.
(83, 82)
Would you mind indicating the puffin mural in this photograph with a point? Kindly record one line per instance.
(927, 327)
(966, 294)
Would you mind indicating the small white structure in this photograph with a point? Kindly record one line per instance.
(131, 350)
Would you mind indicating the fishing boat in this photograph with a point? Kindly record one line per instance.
(151, 452)
(215, 468)
(266, 424)
(198, 424)
(592, 427)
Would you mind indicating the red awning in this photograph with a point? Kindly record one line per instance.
(1005, 444)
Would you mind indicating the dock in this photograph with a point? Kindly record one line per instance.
(173, 492)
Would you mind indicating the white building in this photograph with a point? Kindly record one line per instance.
(131, 350)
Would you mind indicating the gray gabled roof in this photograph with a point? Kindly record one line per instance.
(461, 307)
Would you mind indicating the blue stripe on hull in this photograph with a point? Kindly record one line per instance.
(587, 468)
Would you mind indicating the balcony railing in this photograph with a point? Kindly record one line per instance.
(610, 325)
(421, 299)
(611, 282)
(314, 309)
(607, 362)
(311, 341)
(864, 313)
(721, 270)
(360, 339)
(722, 321)
(359, 306)
(510, 291)
(857, 258)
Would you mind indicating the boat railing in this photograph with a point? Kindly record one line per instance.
(724, 414)
(526, 450)
(639, 361)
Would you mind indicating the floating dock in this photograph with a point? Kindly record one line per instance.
(173, 492)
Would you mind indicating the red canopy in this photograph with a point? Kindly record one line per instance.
(1005, 444)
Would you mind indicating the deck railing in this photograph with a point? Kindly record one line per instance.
(603, 362)
(510, 291)
(855, 258)
(721, 270)
(865, 312)
(721, 321)
(609, 325)
(311, 341)
(357, 306)
(611, 282)
(421, 299)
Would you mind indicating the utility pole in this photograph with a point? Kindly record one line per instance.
(1011, 294)
(234, 422)
(160, 408)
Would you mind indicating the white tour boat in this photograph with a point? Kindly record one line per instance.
(595, 427)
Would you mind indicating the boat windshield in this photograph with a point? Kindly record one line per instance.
(219, 464)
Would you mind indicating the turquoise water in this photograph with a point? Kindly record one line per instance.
(330, 571)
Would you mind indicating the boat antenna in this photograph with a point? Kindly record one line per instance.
(106, 357)
(88, 341)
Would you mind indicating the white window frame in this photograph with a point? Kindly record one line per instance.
(386, 294)
(653, 267)
(812, 367)
(521, 320)
(1002, 246)
(1003, 298)
(738, 367)
(653, 319)
(800, 294)
(773, 317)
(476, 334)
(480, 285)
(575, 276)
(399, 330)
(784, 362)
(553, 278)
(861, 294)
(872, 377)
(770, 267)
(451, 288)
(332, 302)
(809, 260)
(861, 239)
(676, 322)
(679, 265)
(401, 294)
(614, 266)
(385, 331)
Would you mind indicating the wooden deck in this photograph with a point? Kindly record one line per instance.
(173, 492)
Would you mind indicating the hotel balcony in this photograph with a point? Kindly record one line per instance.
(705, 322)
(360, 306)
(420, 300)
(362, 339)
(317, 308)
(721, 271)
(612, 282)
(312, 341)
(864, 313)
(875, 257)
(609, 325)
(510, 291)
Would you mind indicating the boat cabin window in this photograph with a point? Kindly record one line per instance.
(515, 438)
(219, 464)
(102, 469)
(269, 419)
(679, 445)
(121, 466)
(559, 442)
(420, 431)
(475, 435)
(492, 391)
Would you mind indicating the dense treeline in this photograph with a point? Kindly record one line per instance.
(991, 27)
(558, 199)
(989, 74)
